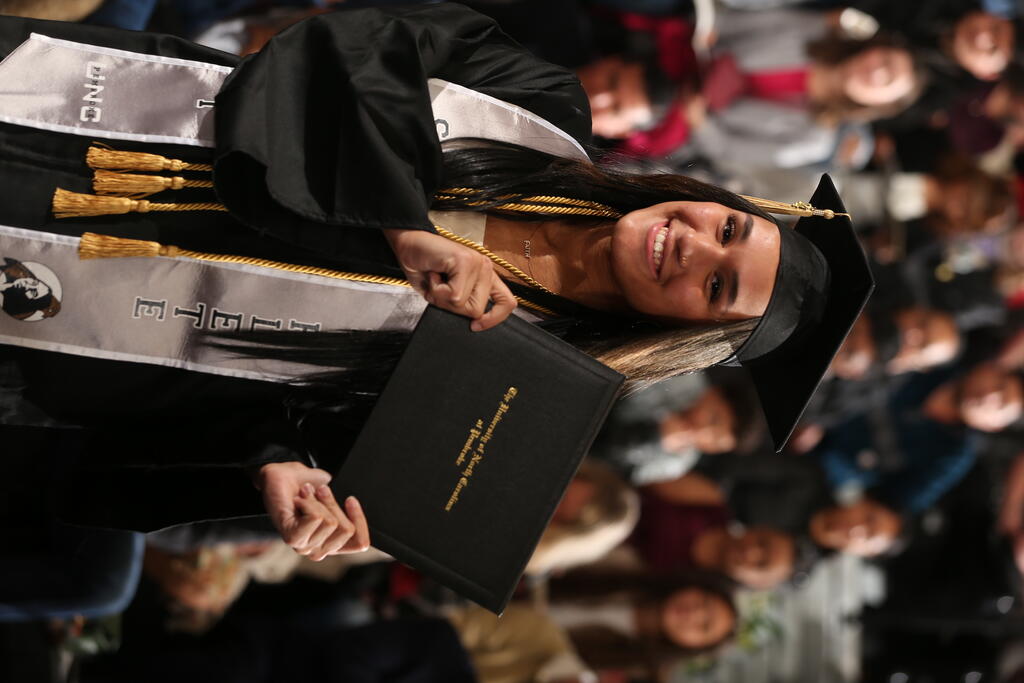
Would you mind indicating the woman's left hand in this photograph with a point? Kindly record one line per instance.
(307, 516)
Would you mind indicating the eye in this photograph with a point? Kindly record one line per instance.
(714, 288)
(729, 231)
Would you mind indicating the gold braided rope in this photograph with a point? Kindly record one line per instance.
(137, 186)
(545, 209)
(76, 204)
(93, 246)
(497, 260)
(528, 203)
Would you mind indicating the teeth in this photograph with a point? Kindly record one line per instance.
(659, 246)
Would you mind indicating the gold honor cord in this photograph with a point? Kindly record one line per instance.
(75, 204)
(497, 260)
(137, 186)
(94, 246)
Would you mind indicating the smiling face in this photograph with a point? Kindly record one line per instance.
(878, 76)
(708, 424)
(991, 398)
(926, 338)
(758, 557)
(617, 91)
(983, 44)
(695, 261)
(695, 618)
(865, 528)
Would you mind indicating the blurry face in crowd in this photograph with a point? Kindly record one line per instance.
(983, 44)
(865, 528)
(878, 76)
(758, 557)
(696, 618)
(695, 261)
(618, 98)
(991, 398)
(709, 425)
(857, 353)
(926, 338)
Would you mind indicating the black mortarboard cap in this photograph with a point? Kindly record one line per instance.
(821, 286)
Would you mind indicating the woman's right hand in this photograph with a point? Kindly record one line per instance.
(452, 276)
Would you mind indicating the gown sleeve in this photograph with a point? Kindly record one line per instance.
(330, 125)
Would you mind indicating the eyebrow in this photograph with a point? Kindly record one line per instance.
(735, 288)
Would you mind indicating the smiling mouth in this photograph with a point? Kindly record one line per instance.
(658, 249)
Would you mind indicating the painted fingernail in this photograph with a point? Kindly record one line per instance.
(351, 500)
(323, 492)
(476, 326)
(307, 490)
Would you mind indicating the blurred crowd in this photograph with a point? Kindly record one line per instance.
(910, 455)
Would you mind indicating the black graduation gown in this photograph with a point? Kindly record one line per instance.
(322, 138)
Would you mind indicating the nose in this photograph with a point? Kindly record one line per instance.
(697, 250)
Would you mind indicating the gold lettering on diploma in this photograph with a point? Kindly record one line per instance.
(475, 447)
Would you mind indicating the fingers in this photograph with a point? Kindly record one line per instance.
(465, 290)
(360, 541)
(504, 304)
(324, 529)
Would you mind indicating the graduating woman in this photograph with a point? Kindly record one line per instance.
(417, 142)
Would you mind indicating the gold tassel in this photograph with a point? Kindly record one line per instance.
(105, 246)
(77, 205)
(138, 186)
(794, 209)
(115, 160)
(74, 204)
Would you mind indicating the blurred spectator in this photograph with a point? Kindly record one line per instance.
(522, 645)
(781, 85)
(910, 339)
(597, 513)
(983, 44)
(640, 623)
(626, 95)
(915, 447)
(660, 444)
(866, 528)
(684, 525)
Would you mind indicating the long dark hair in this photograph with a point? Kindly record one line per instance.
(359, 362)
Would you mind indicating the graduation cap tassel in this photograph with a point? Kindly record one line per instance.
(115, 160)
(794, 209)
(77, 205)
(137, 186)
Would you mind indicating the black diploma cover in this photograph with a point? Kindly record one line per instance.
(471, 446)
